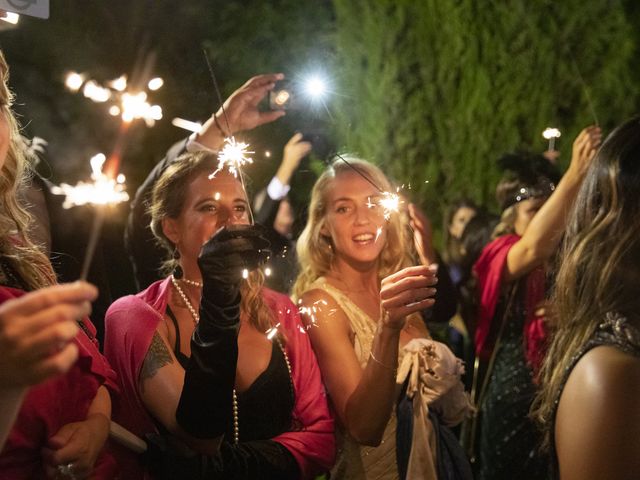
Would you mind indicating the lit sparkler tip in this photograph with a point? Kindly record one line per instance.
(245, 273)
(550, 133)
(390, 202)
(233, 156)
(102, 191)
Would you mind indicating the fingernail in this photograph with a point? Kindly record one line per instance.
(433, 267)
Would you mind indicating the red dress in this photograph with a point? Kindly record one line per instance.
(49, 406)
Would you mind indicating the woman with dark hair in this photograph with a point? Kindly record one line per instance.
(458, 215)
(54, 403)
(207, 355)
(510, 335)
(590, 382)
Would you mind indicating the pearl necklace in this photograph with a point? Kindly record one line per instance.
(236, 427)
(193, 283)
(185, 299)
(196, 319)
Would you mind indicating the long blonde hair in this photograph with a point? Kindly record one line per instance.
(29, 262)
(314, 250)
(600, 262)
(169, 195)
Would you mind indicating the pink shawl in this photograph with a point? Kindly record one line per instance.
(130, 324)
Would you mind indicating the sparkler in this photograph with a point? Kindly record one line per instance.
(102, 191)
(129, 105)
(551, 134)
(233, 156)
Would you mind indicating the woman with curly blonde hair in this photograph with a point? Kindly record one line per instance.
(53, 380)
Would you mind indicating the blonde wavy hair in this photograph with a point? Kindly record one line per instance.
(599, 269)
(169, 195)
(314, 250)
(30, 263)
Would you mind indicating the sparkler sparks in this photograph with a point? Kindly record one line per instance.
(102, 191)
(129, 105)
(390, 203)
(233, 157)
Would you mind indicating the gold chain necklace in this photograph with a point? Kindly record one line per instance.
(187, 302)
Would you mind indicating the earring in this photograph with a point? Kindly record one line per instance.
(177, 271)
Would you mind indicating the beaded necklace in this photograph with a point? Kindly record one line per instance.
(196, 319)
(185, 299)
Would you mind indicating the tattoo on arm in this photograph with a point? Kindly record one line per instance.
(157, 357)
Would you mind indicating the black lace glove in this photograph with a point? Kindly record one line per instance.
(205, 406)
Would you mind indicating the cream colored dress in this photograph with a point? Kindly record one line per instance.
(354, 461)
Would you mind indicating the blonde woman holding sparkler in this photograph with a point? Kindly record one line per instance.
(361, 297)
(52, 378)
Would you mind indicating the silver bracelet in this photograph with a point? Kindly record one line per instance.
(393, 369)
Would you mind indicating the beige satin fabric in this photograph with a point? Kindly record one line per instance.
(434, 383)
(355, 461)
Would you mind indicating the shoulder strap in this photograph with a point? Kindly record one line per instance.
(174, 320)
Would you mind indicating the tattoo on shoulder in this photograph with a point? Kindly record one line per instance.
(157, 357)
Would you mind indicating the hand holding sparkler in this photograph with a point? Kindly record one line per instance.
(585, 147)
(405, 292)
(240, 111)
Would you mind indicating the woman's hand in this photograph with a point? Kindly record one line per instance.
(37, 332)
(585, 147)
(405, 292)
(422, 235)
(77, 446)
(242, 112)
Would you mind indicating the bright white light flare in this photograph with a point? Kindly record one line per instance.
(73, 81)
(390, 203)
(95, 92)
(550, 133)
(155, 84)
(315, 87)
(102, 191)
(233, 157)
(186, 124)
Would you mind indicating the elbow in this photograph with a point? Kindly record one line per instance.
(367, 436)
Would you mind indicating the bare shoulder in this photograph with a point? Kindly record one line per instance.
(605, 371)
(319, 309)
(597, 428)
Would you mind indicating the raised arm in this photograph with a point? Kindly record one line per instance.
(243, 114)
(542, 237)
